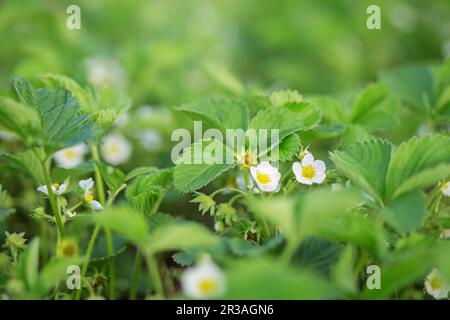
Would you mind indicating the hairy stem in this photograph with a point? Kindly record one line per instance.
(52, 198)
(154, 274)
(136, 272)
(87, 257)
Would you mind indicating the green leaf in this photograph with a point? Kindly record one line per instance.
(53, 272)
(288, 147)
(285, 120)
(160, 219)
(375, 108)
(180, 236)
(412, 84)
(241, 247)
(196, 169)
(183, 259)
(59, 115)
(261, 279)
(317, 254)
(26, 93)
(406, 212)
(412, 260)
(368, 100)
(282, 97)
(24, 162)
(20, 120)
(28, 264)
(59, 80)
(343, 271)
(218, 113)
(146, 192)
(357, 230)
(124, 221)
(140, 171)
(365, 164)
(418, 163)
(114, 177)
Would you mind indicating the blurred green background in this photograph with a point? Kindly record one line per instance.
(165, 51)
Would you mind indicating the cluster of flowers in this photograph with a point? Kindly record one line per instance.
(308, 171)
(85, 186)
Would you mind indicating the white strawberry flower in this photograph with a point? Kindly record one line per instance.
(116, 149)
(309, 171)
(71, 157)
(86, 185)
(445, 189)
(205, 280)
(436, 285)
(56, 188)
(266, 177)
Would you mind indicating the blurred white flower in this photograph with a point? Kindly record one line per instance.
(115, 149)
(309, 171)
(150, 139)
(56, 188)
(71, 157)
(205, 280)
(104, 72)
(445, 189)
(436, 285)
(267, 178)
(445, 234)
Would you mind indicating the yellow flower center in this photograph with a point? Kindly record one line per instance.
(70, 154)
(263, 178)
(436, 283)
(445, 186)
(207, 285)
(308, 172)
(113, 149)
(56, 185)
(89, 197)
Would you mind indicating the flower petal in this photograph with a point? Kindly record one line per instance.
(319, 165)
(62, 188)
(43, 189)
(307, 160)
(319, 177)
(95, 205)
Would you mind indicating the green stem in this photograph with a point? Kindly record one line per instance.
(154, 274)
(136, 271)
(87, 257)
(112, 266)
(51, 196)
(98, 176)
(109, 241)
(288, 252)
